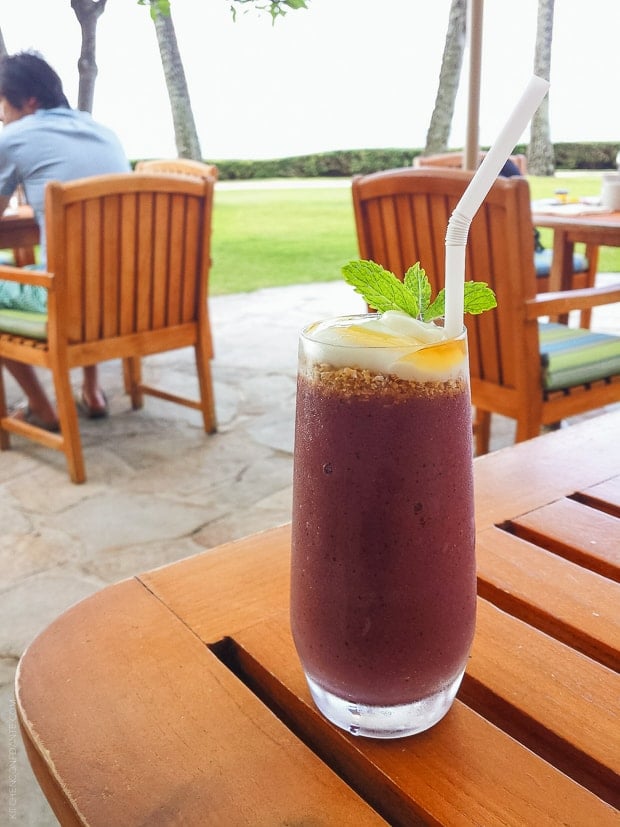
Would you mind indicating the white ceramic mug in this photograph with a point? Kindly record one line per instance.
(610, 191)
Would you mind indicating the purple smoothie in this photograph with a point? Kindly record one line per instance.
(383, 585)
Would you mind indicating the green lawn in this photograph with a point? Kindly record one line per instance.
(275, 237)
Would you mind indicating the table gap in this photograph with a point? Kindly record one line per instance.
(546, 744)
(227, 651)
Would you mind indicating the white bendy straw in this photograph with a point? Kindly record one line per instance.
(472, 198)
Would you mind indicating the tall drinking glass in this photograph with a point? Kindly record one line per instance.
(383, 580)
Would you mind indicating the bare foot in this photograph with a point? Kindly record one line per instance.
(94, 404)
(24, 413)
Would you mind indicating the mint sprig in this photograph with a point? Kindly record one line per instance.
(382, 290)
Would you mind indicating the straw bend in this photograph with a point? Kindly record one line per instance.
(472, 198)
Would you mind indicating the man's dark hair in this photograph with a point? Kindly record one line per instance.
(26, 75)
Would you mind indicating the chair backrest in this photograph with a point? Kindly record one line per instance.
(401, 217)
(178, 166)
(454, 160)
(130, 254)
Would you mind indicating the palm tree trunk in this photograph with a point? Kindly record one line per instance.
(449, 76)
(540, 158)
(186, 136)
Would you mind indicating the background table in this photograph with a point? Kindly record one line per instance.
(598, 229)
(19, 231)
(176, 697)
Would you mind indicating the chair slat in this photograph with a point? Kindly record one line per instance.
(192, 253)
(145, 281)
(163, 217)
(110, 322)
(128, 262)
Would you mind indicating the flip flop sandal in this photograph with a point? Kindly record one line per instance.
(23, 413)
(92, 413)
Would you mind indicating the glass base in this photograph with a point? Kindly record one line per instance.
(385, 721)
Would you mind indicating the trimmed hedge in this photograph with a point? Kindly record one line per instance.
(345, 163)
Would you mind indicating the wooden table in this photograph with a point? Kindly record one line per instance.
(19, 231)
(598, 230)
(177, 698)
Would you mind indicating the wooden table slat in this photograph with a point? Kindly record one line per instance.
(535, 688)
(575, 531)
(605, 496)
(226, 589)
(525, 476)
(572, 604)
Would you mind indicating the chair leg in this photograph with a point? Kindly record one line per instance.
(132, 378)
(4, 435)
(69, 425)
(482, 431)
(205, 382)
(527, 428)
(592, 251)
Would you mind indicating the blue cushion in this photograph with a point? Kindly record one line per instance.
(572, 356)
(542, 262)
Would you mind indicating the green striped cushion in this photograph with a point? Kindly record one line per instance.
(23, 323)
(572, 356)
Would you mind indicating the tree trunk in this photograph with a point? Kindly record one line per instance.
(87, 13)
(3, 50)
(452, 60)
(185, 134)
(540, 158)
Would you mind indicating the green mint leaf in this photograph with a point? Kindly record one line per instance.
(478, 297)
(417, 282)
(379, 288)
(383, 291)
(437, 309)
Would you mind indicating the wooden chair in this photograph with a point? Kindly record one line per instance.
(128, 265)
(401, 217)
(178, 166)
(585, 265)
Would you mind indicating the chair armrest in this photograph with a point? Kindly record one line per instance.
(552, 304)
(39, 278)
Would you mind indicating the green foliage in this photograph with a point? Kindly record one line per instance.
(337, 164)
(156, 6)
(586, 156)
(276, 8)
(345, 163)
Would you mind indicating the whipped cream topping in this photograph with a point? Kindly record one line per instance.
(387, 343)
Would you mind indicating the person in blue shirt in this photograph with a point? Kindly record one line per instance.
(43, 139)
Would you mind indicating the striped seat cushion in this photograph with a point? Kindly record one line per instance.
(23, 323)
(543, 258)
(572, 356)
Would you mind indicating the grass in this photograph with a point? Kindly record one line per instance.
(282, 236)
(277, 237)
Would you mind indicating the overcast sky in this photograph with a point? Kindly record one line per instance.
(344, 74)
